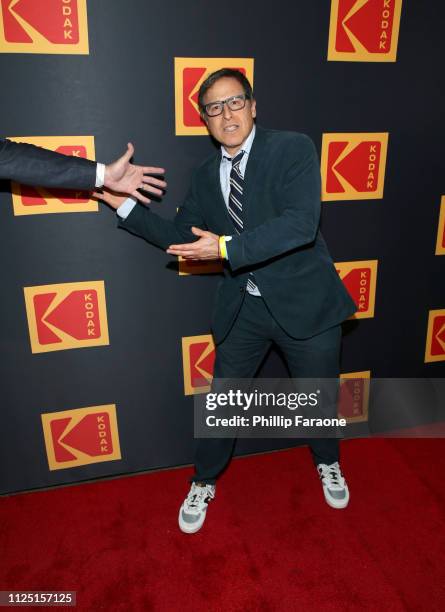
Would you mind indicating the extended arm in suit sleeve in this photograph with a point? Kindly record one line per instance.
(299, 206)
(164, 232)
(31, 165)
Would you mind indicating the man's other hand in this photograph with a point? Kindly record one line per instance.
(126, 178)
(204, 248)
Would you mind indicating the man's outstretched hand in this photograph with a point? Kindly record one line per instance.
(123, 177)
(204, 248)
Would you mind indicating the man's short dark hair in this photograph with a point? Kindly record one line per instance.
(219, 74)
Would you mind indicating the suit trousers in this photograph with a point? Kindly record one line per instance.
(240, 354)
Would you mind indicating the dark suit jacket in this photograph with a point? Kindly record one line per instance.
(281, 242)
(31, 165)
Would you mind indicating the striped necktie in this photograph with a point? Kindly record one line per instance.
(235, 204)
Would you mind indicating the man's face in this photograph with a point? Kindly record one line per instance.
(231, 128)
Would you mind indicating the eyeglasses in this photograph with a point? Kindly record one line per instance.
(235, 103)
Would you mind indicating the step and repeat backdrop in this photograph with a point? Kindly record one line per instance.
(104, 338)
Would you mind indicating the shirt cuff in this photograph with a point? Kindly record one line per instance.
(100, 175)
(126, 207)
(226, 239)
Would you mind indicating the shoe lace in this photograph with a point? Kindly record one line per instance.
(332, 475)
(198, 496)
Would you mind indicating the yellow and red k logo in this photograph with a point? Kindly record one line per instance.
(440, 243)
(353, 401)
(360, 279)
(66, 316)
(81, 436)
(435, 339)
(364, 30)
(44, 26)
(198, 359)
(190, 72)
(353, 166)
(37, 200)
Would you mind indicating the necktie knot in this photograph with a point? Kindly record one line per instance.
(238, 157)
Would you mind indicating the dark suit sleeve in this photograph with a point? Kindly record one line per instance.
(164, 232)
(298, 203)
(31, 165)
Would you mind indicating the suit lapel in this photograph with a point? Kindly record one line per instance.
(256, 156)
(221, 207)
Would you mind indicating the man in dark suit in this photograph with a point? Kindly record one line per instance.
(31, 165)
(256, 204)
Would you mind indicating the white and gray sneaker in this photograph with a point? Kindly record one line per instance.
(192, 513)
(335, 489)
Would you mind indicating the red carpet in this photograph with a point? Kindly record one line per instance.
(269, 543)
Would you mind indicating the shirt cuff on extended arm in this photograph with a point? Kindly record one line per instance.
(126, 207)
(226, 251)
(100, 175)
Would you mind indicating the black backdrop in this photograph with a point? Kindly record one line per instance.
(124, 90)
